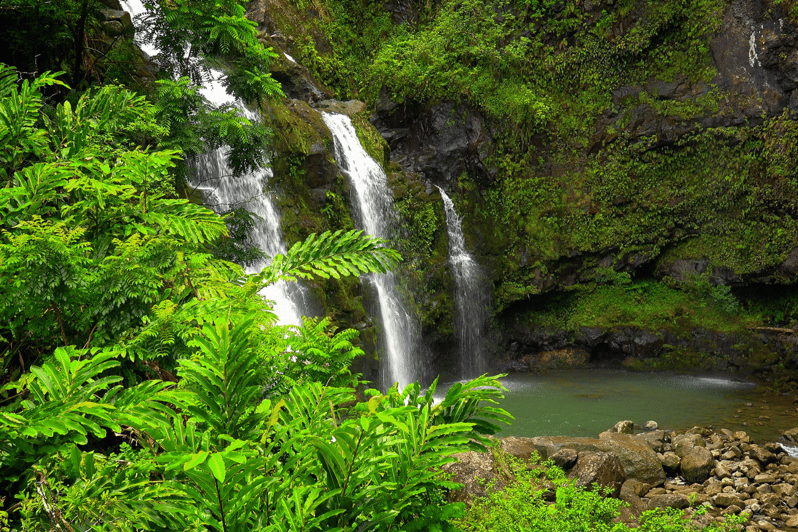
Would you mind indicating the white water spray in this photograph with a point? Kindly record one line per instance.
(377, 215)
(471, 297)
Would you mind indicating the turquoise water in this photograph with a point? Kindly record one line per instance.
(588, 401)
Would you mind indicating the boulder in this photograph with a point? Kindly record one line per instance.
(654, 439)
(791, 435)
(600, 468)
(474, 471)
(633, 488)
(638, 460)
(721, 472)
(564, 458)
(669, 500)
(726, 499)
(518, 447)
(684, 442)
(671, 462)
(624, 427)
(697, 464)
(761, 454)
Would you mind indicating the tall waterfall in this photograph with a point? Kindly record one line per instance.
(377, 215)
(471, 297)
(222, 193)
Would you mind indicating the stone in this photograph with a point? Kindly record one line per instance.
(792, 522)
(349, 108)
(761, 455)
(730, 454)
(518, 447)
(773, 447)
(624, 427)
(684, 442)
(671, 461)
(764, 478)
(634, 488)
(638, 460)
(726, 499)
(439, 142)
(721, 472)
(742, 437)
(784, 490)
(564, 458)
(734, 509)
(669, 500)
(654, 439)
(697, 464)
(791, 435)
(713, 487)
(651, 425)
(474, 471)
(600, 468)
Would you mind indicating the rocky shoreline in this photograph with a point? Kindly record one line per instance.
(651, 468)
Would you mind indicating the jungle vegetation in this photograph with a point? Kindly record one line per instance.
(144, 383)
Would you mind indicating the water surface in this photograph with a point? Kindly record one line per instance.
(586, 402)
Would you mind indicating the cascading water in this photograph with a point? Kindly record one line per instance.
(377, 214)
(471, 298)
(222, 193)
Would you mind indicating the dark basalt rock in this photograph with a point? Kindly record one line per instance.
(438, 142)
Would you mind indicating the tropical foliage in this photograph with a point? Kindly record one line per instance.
(145, 385)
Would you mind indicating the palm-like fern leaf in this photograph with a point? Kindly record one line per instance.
(335, 255)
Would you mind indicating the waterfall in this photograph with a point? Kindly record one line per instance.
(400, 332)
(222, 193)
(471, 297)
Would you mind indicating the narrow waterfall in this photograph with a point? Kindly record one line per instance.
(400, 331)
(222, 193)
(471, 297)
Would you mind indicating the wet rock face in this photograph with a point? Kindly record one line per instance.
(438, 142)
(756, 60)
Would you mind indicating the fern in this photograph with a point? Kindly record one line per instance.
(332, 255)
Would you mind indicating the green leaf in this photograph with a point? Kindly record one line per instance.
(196, 459)
(216, 465)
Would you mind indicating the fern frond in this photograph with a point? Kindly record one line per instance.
(336, 255)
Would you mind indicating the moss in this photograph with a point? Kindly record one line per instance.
(594, 168)
(423, 243)
(370, 138)
(647, 304)
(297, 127)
